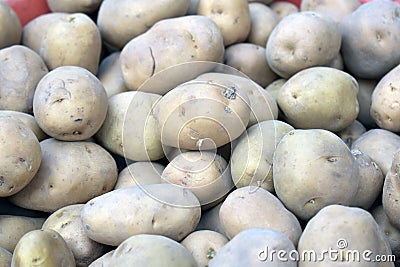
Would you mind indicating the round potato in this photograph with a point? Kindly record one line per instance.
(337, 10)
(352, 133)
(28, 120)
(67, 222)
(120, 21)
(369, 39)
(84, 6)
(200, 115)
(283, 8)
(263, 21)
(231, 16)
(20, 155)
(70, 104)
(250, 206)
(140, 173)
(14, 227)
(5, 257)
(42, 248)
(391, 192)
(320, 98)
(251, 160)
(70, 173)
(110, 74)
(160, 209)
(188, 39)
(302, 40)
(364, 96)
(250, 59)
(204, 245)
(21, 69)
(322, 172)
(11, 29)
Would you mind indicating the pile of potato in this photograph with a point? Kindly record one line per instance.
(200, 133)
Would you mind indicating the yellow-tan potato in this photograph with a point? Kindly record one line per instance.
(70, 103)
(274, 87)
(200, 115)
(262, 105)
(140, 173)
(352, 132)
(28, 120)
(67, 222)
(320, 98)
(20, 155)
(210, 220)
(72, 40)
(204, 245)
(380, 145)
(151, 251)
(302, 40)
(391, 192)
(70, 173)
(130, 128)
(120, 21)
(103, 260)
(13, 227)
(322, 172)
(84, 6)
(159, 209)
(251, 248)
(251, 207)
(385, 101)
(351, 232)
(250, 60)
(110, 74)
(11, 30)
(283, 8)
(263, 21)
(188, 39)
(21, 71)
(5, 257)
(42, 248)
(202, 172)
(364, 96)
(231, 16)
(337, 10)
(251, 160)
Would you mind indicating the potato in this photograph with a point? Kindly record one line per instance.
(160, 209)
(351, 233)
(70, 173)
(274, 87)
(302, 40)
(84, 6)
(250, 59)
(20, 71)
(385, 101)
(369, 39)
(140, 173)
(13, 227)
(70, 103)
(67, 222)
(200, 115)
(210, 220)
(336, 10)
(110, 74)
(364, 96)
(320, 98)
(130, 127)
(283, 9)
(380, 145)
(391, 192)
(322, 172)
(188, 39)
(260, 1)
(20, 156)
(202, 172)
(263, 106)
(337, 62)
(11, 30)
(231, 16)
(103, 260)
(251, 160)
(120, 21)
(250, 206)
(250, 248)
(72, 40)
(263, 21)
(204, 245)
(5, 257)
(140, 250)
(28, 120)
(352, 132)
(42, 248)
(371, 180)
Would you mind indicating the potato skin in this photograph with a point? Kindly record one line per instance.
(11, 30)
(283, 9)
(391, 192)
(162, 209)
(352, 132)
(140, 173)
(364, 96)
(336, 10)
(103, 260)
(5, 257)
(263, 21)
(28, 120)
(84, 6)
(110, 74)
(70, 173)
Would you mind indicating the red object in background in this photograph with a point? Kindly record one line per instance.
(296, 2)
(28, 9)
